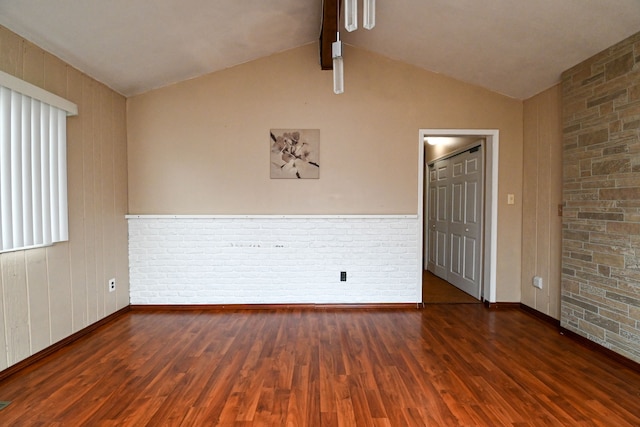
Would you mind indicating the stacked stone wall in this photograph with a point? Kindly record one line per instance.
(601, 197)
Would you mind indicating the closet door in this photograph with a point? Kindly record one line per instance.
(438, 218)
(455, 220)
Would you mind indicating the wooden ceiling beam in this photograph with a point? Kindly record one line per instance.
(328, 31)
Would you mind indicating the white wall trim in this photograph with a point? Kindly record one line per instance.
(35, 92)
(134, 216)
(491, 201)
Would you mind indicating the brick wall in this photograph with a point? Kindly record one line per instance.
(601, 196)
(273, 260)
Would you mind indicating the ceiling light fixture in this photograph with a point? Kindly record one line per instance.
(351, 14)
(350, 24)
(338, 65)
(369, 14)
(438, 140)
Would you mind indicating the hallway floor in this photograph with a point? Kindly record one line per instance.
(438, 291)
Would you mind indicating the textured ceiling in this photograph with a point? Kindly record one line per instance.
(514, 47)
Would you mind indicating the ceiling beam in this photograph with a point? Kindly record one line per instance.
(328, 32)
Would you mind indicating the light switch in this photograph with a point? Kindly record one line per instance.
(511, 199)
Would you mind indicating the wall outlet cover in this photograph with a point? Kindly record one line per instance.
(537, 282)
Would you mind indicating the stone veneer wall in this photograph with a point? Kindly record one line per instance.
(601, 197)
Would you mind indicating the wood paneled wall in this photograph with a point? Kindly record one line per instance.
(541, 195)
(49, 293)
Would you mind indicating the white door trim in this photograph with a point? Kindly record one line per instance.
(491, 203)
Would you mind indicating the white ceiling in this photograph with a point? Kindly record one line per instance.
(514, 47)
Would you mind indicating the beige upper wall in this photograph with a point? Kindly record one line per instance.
(202, 146)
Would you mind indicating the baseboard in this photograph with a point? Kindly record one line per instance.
(540, 315)
(179, 307)
(501, 305)
(390, 306)
(582, 340)
(62, 343)
(628, 363)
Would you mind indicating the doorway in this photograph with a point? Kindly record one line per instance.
(438, 291)
(454, 218)
(489, 227)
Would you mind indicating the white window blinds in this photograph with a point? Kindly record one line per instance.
(33, 165)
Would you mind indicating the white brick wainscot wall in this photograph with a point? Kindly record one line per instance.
(274, 259)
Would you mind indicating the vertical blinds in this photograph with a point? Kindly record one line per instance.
(33, 171)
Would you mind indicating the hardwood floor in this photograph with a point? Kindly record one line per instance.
(438, 291)
(444, 365)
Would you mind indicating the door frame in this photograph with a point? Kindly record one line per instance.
(492, 138)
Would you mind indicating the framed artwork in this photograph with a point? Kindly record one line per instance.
(295, 153)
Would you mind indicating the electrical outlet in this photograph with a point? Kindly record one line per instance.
(537, 282)
(112, 285)
(343, 276)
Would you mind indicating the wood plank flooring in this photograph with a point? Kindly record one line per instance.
(438, 291)
(444, 365)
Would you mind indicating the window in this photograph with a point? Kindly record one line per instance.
(33, 165)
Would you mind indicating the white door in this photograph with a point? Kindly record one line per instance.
(455, 220)
(438, 220)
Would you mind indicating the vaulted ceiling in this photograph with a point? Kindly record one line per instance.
(517, 48)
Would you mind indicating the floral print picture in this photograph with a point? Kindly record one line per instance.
(295, 153)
